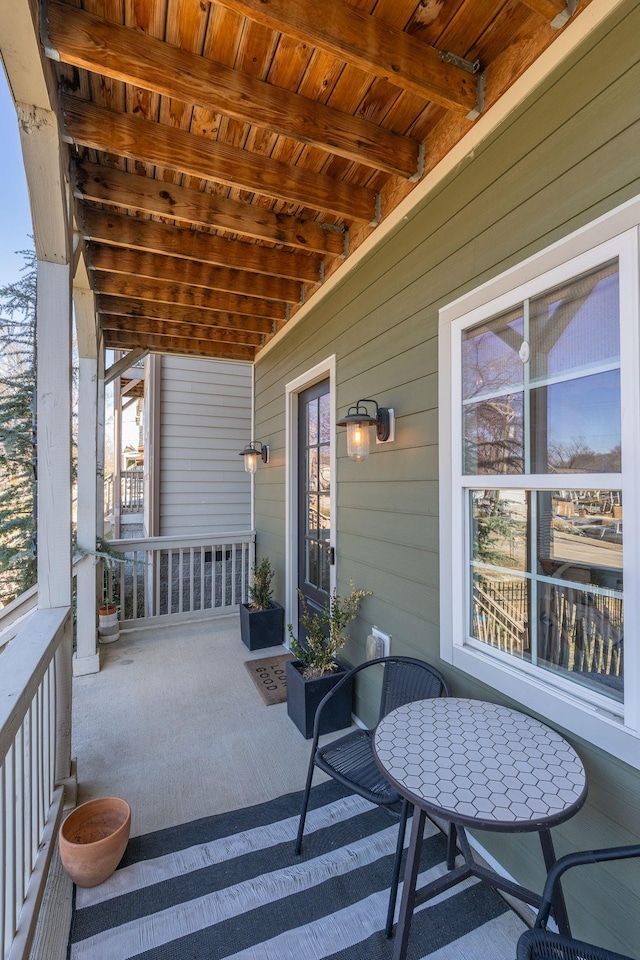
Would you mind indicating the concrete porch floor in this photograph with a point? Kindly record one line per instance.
(174, 725)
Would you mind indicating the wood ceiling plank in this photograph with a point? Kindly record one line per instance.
(178, 346)
(186, 25)
(367, 42)
(86, 41)
(469, 22)
(108, 185)
(549, 9)
(193, 331)
(101, 129)
(154, 237)
(175, 313)
(153, 265)
(164, 291)
(151, 16)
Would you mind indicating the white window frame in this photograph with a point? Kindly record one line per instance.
(611, 726)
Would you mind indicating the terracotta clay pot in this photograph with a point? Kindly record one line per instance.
(93, 839)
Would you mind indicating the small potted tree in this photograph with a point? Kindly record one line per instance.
(262, 619)
(315, 670)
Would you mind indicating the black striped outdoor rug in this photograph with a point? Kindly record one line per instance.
(229, 886)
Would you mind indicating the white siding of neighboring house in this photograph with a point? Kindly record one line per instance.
(205, 420)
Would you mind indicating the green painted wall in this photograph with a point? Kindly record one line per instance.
(564, 158)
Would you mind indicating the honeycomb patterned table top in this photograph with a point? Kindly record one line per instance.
(480, 764)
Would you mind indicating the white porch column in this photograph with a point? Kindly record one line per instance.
(87, 659)
(53, 317)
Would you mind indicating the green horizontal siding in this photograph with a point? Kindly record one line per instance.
(563, 158)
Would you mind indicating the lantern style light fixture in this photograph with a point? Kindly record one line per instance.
(251, 452)
(358, 420)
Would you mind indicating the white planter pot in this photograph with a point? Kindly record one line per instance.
(108, 626)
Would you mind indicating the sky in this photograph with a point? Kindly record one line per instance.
(15, 214)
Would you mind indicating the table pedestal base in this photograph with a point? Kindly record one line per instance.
(412, 897)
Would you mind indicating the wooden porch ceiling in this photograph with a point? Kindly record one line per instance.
(227, 156)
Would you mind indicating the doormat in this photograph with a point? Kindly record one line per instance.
(269, 676)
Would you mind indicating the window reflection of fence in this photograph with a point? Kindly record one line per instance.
(500, 615)
(578, 631)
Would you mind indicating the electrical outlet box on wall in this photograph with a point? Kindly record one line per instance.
(378, 644)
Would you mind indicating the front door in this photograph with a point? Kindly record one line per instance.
(314, 496)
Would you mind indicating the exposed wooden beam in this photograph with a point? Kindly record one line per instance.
(176, 313)
(369, 43)
(549, 9)
(123, 364)
(178, 345)
(189, 272)
(128, 190)
(192, 331)
(163, 291)
(150, 142)
(84, 40)
(156, 237)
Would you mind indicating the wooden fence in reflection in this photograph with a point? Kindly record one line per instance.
(578, 631)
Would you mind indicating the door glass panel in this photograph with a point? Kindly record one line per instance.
(324, 480)
(324, 567)
(324, 430)
(313, 569)
(312, 422)
(314, 487)
(312, 469)
(313, 523)
(324, 519)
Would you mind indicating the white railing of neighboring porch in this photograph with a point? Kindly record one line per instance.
(30, 802)
(15, 615)
(194, 576)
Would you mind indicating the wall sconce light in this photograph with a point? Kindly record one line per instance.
(358, 420)
(251, 453)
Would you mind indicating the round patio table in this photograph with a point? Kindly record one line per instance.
(476, 764)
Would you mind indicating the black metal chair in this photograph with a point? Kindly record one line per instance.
(350, 760)
(540, 943)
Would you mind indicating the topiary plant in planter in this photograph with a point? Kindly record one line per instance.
(315, 670)
(262, 619)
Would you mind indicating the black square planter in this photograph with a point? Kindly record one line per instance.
(304, 696)
(262, 628)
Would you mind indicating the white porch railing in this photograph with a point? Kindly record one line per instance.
(173, 576)
(30, 802)
(132, 491)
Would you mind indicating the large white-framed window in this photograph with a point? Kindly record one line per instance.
(539, 483)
